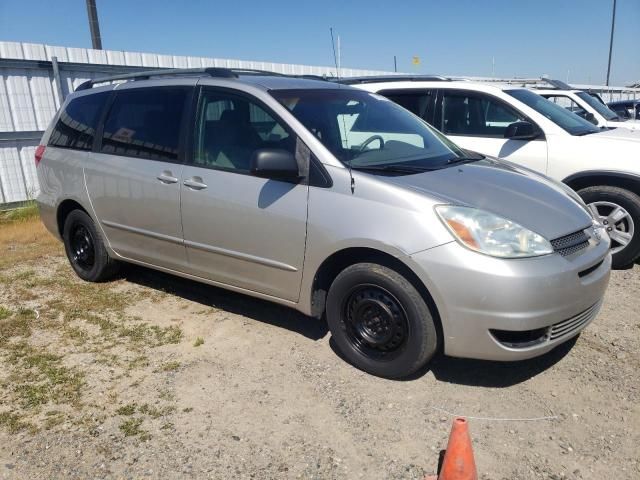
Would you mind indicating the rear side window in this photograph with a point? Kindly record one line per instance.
(145, 123)
(76, 127)
(476, 115)
(416, 101)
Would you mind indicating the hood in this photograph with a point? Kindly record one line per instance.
(527, 198)
(633, 125)
(617, 134)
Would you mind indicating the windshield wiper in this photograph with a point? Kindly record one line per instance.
(393, 168)
(465, 159)
(586, 132)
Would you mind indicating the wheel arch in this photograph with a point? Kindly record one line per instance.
(64, 209)
(341, 259)
(593, 178)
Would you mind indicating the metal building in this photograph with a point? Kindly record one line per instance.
(35, 78)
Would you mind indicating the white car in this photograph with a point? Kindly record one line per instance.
(588, 107)
(518, 125)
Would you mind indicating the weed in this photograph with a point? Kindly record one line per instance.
(129, 409)
(131, 427)
(170, 366)
(199, 341)
(155, 412)
(13, 422)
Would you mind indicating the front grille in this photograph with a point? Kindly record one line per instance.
(574, 323)
(570, 244)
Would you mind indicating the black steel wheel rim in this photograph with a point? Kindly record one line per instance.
(82, 247)
(375, 322)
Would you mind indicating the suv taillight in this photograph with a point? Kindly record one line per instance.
(39, 153)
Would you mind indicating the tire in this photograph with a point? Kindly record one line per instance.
(380, 322)
(85, 248)
(604, 200)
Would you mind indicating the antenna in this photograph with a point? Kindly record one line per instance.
(335, 59)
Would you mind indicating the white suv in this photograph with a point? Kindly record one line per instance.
(516, 124)
(588, 107)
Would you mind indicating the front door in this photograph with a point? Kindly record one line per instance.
(241, 230)
(477, 122)
(133, 179)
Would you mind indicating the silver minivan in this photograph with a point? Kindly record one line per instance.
(328, 199)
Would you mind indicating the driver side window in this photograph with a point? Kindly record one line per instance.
(476, 115)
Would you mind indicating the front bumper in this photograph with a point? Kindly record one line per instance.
(475, 294)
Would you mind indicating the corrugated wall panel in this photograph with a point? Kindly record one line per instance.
(20, 102)
(14, 185)
(29, 97)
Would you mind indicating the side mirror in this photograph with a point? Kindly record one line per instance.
(274, 163)
(590, 117)
(521, 131)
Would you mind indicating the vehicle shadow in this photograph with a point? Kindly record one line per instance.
(482, 373)
(210, 296)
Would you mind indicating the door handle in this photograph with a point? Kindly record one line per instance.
(195, 183)
(167, 177)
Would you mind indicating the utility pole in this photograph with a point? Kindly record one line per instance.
(613, 24)
(94, 26)
(395, 64)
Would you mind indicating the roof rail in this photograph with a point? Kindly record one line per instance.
(392, 78)
(211, 71)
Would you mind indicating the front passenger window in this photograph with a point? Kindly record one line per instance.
(231, 128)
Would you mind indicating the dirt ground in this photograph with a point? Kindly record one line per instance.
(151, 376)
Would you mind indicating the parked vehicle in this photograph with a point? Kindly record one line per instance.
(626, 109)
(327, 199)
(588, 107)
(519, 125)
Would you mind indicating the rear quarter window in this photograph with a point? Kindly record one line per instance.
(78, 121)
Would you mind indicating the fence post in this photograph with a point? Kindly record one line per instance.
(57, 79)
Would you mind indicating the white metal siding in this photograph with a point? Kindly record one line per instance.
(29, 97)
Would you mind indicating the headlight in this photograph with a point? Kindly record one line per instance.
(492, 235)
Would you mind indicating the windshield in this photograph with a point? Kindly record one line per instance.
(602, 109)
(368, 131)
(562, 117)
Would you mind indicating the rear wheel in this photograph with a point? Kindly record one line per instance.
(380, 322)
(85, 248)
(619, 211)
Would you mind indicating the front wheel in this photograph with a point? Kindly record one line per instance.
(619, 211)
(380, 322)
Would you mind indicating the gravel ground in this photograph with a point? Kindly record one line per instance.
(247, 389)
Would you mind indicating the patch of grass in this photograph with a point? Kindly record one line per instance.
(199, 341)
(39, 377)
(170, 366)
(53, 419)
(17, 324)
(131, 427)
(187, 409)
(13, 422)
(77, 334)
(22, 214)
(4, 312)
(155, 412)
(129, 409)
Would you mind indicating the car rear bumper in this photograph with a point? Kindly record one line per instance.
(513, 309)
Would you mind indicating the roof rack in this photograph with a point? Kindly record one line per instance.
(392, 78)
(217, 72)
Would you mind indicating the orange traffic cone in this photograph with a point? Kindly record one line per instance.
(458, 462)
